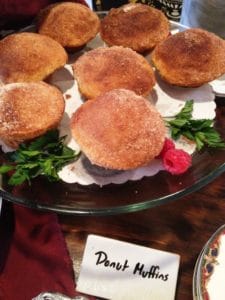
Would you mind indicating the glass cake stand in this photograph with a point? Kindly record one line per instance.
(131, 196)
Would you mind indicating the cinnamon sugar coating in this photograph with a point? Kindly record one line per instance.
(107, 68)
(70, 24)
(135, 25)
(119, 130)
(26, 57)
(28, 110)
(190, 58)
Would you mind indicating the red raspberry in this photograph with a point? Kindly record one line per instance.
(176, 161)
(168, 144)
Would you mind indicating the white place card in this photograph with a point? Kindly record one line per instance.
(117, 270)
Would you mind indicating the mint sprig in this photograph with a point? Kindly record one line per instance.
(200, 131)
(45, 156)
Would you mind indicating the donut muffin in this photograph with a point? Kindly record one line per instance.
(27, 56)
(28, 110)
(107, 68)
(136, 26)
(190, 58)
(70, 24)
(118, 130)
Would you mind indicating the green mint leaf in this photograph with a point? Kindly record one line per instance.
(66, 151)
(44, 140)
(189, 135)
(6, 168)
(199, 143)
(213, 139)
(28, 165)
(199, 125)
(175, 133)
(30, 153)
(47, 167)
(186, 111)
(178, 122)
(18, 177)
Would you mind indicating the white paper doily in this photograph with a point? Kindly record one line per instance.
(168, 100)
(218, 86)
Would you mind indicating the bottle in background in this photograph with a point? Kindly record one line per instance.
(171, 8)
(206, 14)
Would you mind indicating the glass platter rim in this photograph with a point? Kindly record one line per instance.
(126, 208)
(123, 208)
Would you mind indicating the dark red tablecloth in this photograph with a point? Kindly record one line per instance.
(33, 254)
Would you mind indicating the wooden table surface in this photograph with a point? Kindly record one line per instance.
(182, 226)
